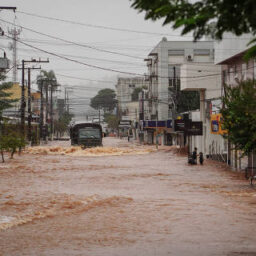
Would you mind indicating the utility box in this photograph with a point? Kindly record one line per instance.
(4, 63)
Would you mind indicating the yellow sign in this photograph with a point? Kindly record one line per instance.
(15, 91)
(216, 124)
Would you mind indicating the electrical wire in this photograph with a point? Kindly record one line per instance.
(99, 26)
(71, 42)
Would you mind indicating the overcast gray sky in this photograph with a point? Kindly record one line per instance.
(116, 14)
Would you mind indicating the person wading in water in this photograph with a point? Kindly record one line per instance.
(194, 156)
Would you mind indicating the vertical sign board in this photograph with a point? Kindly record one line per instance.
(216, 124)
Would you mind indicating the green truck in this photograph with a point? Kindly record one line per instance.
(86, 134)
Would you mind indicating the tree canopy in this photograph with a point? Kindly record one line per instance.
(239, 115)
(187, 101)
(62, 124)
(205, 17)
(135, 93)
(5, 101)
(111, 120)
(47, 78)
(105, 99)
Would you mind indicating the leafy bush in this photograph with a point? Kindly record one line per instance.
(11, 142)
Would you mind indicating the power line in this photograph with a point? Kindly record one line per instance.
(99, 67)
(100, 26)
(71, 42)
(76, 61)
(85, 79)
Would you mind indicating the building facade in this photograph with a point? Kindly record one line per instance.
(128, 90)
(168, 63)
(229, 55)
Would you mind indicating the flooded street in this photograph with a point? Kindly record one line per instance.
(123, 199)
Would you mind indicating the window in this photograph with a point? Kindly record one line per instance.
(176, 52)
(89, 132)
(202, 52)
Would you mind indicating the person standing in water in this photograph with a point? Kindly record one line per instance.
(194, 156)
(201, 158)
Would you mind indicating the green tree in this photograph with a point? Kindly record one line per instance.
(205, 17)
(105, 99)
(5, 101)
(111, 120)
(187, 101)
(62, 124)
(11, 140)
(239, 115)
(47, 78)
(135, 93)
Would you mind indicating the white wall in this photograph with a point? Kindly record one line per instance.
(197, 76)
(230, 45)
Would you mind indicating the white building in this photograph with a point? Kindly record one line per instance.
(168, 63)
(229, 56)
(128, 105)
(164, 63)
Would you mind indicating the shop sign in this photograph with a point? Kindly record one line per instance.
(181, 125)
(124, 124)
(157, 124)
(216, 124)
(195, 128)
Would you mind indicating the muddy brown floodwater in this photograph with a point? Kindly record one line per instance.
(125, 200)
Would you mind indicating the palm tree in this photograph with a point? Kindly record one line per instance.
(45, 80)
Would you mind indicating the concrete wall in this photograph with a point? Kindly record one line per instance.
(230, 45)
(125, 88)
(196, 76)
(164, 54)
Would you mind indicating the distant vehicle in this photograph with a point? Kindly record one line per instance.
(86, 134)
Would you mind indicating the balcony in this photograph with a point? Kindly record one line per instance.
(200, 76)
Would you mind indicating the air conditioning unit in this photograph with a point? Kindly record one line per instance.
(189, 57)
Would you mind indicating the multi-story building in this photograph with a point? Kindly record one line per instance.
(128, 89)
(164, 65)
(229, 55)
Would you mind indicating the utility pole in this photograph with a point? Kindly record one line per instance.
(99, 115)
(156, 123)
(174, 97)
(66, 100)
(23, 102)
(142, 107)
(67, 103)
(41, 111)
(15, 36)
(46, 109)
(51, 112)
(45, 87)
(29, 102)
